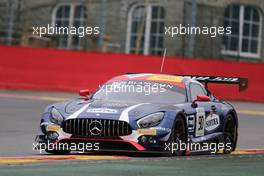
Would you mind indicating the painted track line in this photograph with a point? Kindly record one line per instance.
(30, 97)
(248, 151)
(49, 158)
(251, 112)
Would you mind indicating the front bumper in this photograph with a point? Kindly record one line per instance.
(152, 139)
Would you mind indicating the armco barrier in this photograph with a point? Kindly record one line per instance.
(60, 70)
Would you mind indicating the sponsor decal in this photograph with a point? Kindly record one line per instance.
(168, 78)
(213, 78)
(147, 131)
(191, 120)
(102, 110)
(53, 128)
(212, 122)
(162, 129)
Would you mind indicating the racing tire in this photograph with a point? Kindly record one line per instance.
(179, 137)
(230, 134)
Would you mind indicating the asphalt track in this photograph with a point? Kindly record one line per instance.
(20, 112)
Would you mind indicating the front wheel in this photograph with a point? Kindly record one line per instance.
(178, 138)
(230, 134)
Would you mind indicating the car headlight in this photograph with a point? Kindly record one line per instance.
(55, 116)
(151, 120)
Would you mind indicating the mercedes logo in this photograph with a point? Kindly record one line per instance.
(95, 127)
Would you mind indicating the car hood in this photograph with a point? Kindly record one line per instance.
(98, 109)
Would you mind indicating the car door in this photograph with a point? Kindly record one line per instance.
(202, 110)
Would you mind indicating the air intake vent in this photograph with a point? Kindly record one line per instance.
(96, 128)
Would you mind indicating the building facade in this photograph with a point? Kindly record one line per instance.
(137, 26)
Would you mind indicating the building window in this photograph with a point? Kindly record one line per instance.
(69, 15)
(245, 40)
(145, 30)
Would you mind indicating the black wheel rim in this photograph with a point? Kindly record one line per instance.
(179, 136)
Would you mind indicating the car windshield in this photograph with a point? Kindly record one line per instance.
(141, 92)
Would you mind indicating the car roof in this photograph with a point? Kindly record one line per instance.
(181, 81)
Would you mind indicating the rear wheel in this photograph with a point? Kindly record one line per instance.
(178, 138)
(230, 134)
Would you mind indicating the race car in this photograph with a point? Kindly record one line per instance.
(143, 112)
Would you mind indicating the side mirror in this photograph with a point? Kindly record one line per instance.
(84, 92)
(201, 98)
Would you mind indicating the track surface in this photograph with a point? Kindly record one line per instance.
(189, 166)
(20, 113)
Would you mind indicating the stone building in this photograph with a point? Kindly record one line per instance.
(137, 26)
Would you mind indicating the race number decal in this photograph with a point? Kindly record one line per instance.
(200, 122)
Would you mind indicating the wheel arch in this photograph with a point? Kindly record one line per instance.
(182, 115)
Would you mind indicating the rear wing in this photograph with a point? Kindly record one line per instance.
(241, 82)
